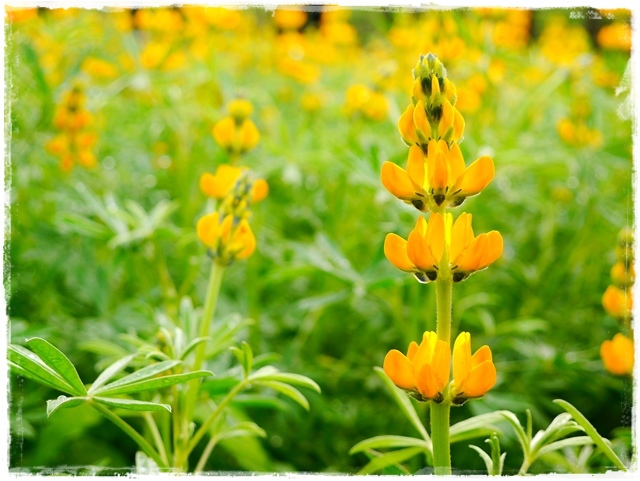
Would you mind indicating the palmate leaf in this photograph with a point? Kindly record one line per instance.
(140, 375)
(388, 459)
(149, 384)
(389, 441)
(63, 402)
(28, 364)
(592, 432)
(131, 404)
(60, 363)
(111, 371)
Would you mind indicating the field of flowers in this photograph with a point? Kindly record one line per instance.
(199, 202)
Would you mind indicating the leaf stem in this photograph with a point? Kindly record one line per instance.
(156, 436)
(135, 435)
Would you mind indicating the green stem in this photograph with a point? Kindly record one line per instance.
(205, 454)
(440, 412)
(186, 417)
(156, 436)
(212, 417)
(135, 435)
(440, 437)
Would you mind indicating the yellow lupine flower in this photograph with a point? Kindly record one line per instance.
(469, 253)
(234, 137)
(227, 237)
(617, 302)
(621, 275)
(220, 184)
(290, 18)
(617, 355)
(473, 375)
(422, 253)
(240, 109)
(424, 371)
(439, 178)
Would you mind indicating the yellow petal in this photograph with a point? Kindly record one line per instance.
(461, 358)
(440, 173)
(446, 121)
(395, 249)
(480, 380)
(618, 355)
(435, 87)
(249, 135)
(426, 382)
(397, 181)
(418, 251)
(469, 259)
(416, 166)
(413, 348)
(421, 123)
(224, 132)
(424, 353)
(416, 90)
(243, 240)
(456, 163)
(441, 364)
(493, 250)
(435, 236)
(260, 190)
(208, 229)
(477, 176)
(406, 127)
(399, 369)
(481, 355)
(209, 185)
(458, 124)
(461, 234)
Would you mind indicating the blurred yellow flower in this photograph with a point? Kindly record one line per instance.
(220, 184)
(616, 36)
(99, 68)
(578, 134)
(622, 275)
(618, 302)
(438, 179)
(289, 18)
(370, 103)
(473, 375)
(424, 371)
(227, 237)
(617, 355)
(235, 137)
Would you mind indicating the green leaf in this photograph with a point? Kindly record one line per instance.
(388, 459)
(29, 365)
(404, 403)
(477, 426)
(485, 457)
(192, 345)
(389, 441)
(287, 390)
(60, 363)
(243, 429)
(288, 378)
(63, 402)
(517, 427)
(131, 404)
(591, 431)
(576, 441)
(111, 371)
(142, 374)
(248, 357)
(260, 401)
(155, 383)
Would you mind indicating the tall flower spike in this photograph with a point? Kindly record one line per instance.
(424, 371)
(438, 180)
(473, 375)
(227, 237)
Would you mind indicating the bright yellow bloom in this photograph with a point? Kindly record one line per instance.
(424, 371)
(362, 99)
(617, 355)
(468, 253)
(473, 375)
(227, 237)
(616, 36)
(220, 184)
(236, 137)
(290, 18)
(439, 178)
(99, 68)
(422, 253)
(240, 109)
(621, 275)
(617, 302)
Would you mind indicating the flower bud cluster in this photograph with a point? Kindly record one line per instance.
(618, 353)
(226, 232)
(74, 142)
